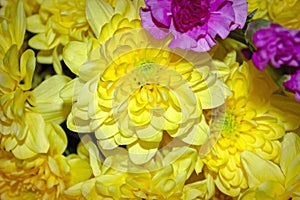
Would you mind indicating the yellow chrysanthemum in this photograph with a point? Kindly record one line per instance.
(119, 178)
(285, 13)
(247, 122)
(25, 111)
(138, 91)
(267, 180)
(60, 22)
(122, 18)
(57, 23)
(39, 177)
(44, 176)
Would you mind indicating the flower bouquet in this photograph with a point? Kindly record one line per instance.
(149, 99)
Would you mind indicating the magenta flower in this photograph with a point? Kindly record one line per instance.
(276, 45)
(193, 23)
(293, 84)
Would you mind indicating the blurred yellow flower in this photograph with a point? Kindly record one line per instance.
(119, 178)
(261, 6)
(285, 13)
(246, 122)
(276, 182)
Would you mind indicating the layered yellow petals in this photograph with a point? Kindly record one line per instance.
(41, 176)
(281, 182)
(56, 24)
(162, 179)
(245, 123)
(25, 119)
(142, 92)
(45, 175)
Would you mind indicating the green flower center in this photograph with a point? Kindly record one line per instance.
(229, 128)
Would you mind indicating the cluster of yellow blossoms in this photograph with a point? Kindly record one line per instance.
(147, 121)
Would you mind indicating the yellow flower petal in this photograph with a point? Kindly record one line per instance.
(292, 174)
(98, 13)
(27, 67)
(56, 60)
(17, 30)
(58, 137)
(42, 42)
(45, 56)
(141, 152)
(289, 150)
(269, 190)
(11, 62)
(74, 55)
(129, 8)
(80, 170)
(46, 100)
(34, 24)
(254, 166)
(36, 138)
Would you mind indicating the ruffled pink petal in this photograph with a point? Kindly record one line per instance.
(182, 41)
(260, 59)
(160, 10)
(204, 44)
(294, 83)
(240, 8)
(149, 25)
(220, 21)
(198, 32)
(297, 96)
(262, 37)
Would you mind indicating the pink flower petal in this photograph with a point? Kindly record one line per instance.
(160, 11)
(240, 11)
(149, 25)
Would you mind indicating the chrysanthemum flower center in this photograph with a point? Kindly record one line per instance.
(188, 14)
(229, 126)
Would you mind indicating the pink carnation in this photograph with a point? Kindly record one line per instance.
(193, 23)
(293, 84)
(276, 45)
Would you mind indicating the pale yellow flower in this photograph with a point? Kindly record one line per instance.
(25, 111)
(60, 22)
(246, 122)
(45, 175)
(57, 23)
(268, 180)
(119, 178)
(41, 176)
